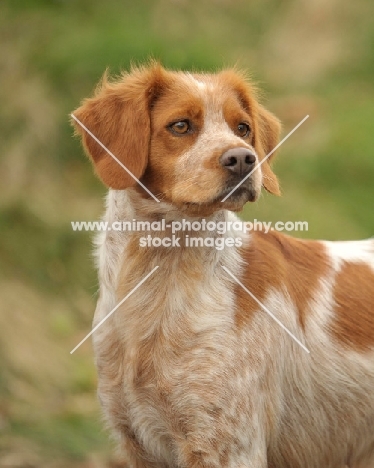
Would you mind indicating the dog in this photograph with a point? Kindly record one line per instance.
(192, 371)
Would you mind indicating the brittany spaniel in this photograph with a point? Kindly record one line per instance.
(193, 373)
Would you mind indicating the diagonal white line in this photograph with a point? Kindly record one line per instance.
(115, 158)
(266, 309)
(267, 156)
(115, 308)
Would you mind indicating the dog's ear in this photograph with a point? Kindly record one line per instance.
(268, 128)
(118, 115)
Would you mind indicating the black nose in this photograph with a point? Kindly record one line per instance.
(240, 161)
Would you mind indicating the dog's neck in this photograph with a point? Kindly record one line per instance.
(148, 209)
(129, 206)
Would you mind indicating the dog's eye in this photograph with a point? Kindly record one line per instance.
(243, 130)
(180, 128)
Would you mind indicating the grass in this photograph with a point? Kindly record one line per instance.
(67, 436)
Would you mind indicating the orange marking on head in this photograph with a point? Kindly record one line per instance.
(118, 115)
(132, 117)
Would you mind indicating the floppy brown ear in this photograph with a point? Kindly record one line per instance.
(269, 129)
(118, 116)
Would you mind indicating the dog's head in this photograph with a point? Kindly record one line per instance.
(189, 138)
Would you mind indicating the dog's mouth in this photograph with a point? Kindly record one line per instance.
(234, 201)
(240, 194)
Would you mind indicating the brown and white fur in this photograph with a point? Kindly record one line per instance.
(192, 372)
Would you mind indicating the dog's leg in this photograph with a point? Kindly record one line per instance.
(213, 454)
(134, 455)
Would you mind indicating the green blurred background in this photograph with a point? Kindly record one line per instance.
(310, 57)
